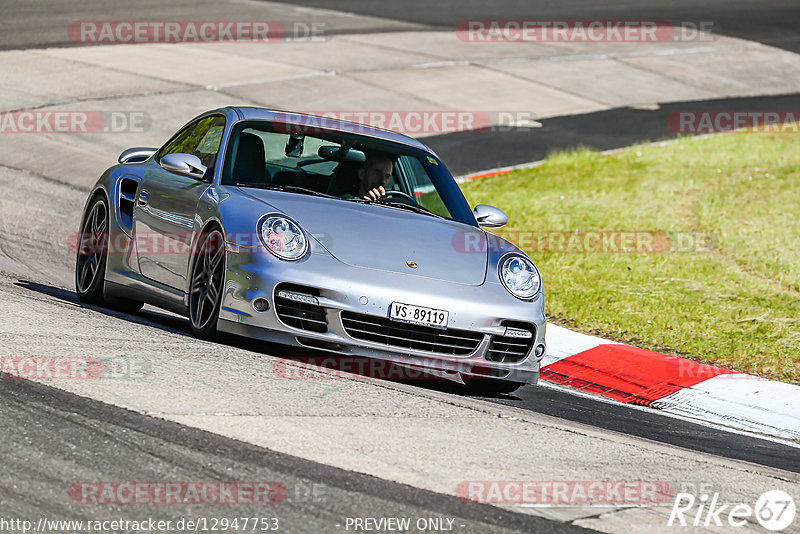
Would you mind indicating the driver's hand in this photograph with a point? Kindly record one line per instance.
(375, 194)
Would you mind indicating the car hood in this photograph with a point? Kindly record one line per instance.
(378, 237)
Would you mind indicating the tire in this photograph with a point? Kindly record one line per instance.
(205, 288)
(488, 386)
(90, 263)
(91, 259)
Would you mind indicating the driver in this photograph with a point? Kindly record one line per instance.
(374, 176)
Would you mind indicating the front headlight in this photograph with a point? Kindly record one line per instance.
(283, 237)
(520, 276)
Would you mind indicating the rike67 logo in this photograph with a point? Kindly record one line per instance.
(774, 510)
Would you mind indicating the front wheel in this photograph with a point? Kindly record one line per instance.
(488, 386)
(205, 290)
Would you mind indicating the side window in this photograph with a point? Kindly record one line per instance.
(201, 138)
(422, 186)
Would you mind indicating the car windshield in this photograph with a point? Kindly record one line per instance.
(321, 162)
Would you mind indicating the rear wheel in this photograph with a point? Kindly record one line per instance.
(90, 264)
(205, 290)
(488, 386)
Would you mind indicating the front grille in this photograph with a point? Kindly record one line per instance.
(410, 336)
(300, 314)
(507, 349)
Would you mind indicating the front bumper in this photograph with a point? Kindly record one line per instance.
(252, 273)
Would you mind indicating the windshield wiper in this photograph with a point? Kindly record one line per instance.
(409, 207)
(289, 189)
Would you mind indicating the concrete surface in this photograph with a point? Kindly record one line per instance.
(765, 21)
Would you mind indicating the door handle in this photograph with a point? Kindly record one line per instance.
(143, 198)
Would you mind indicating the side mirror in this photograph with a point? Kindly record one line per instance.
(136, 154)
(294, 146)
(184, 164)
(489, 216)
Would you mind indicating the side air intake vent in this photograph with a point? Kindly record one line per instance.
(514, 346)
(297, 307)
(127, 197)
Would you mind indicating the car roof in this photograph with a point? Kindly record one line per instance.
(327, 123)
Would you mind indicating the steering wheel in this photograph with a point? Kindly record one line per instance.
(397, 193)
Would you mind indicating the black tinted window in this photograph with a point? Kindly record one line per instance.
(263, 154)
(201, 139)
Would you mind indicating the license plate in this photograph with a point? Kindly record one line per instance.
(408, 313)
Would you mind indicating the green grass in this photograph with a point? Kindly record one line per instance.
(734, 303)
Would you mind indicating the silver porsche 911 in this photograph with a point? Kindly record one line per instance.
(316, 233)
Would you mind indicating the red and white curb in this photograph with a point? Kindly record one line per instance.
(675, 386)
